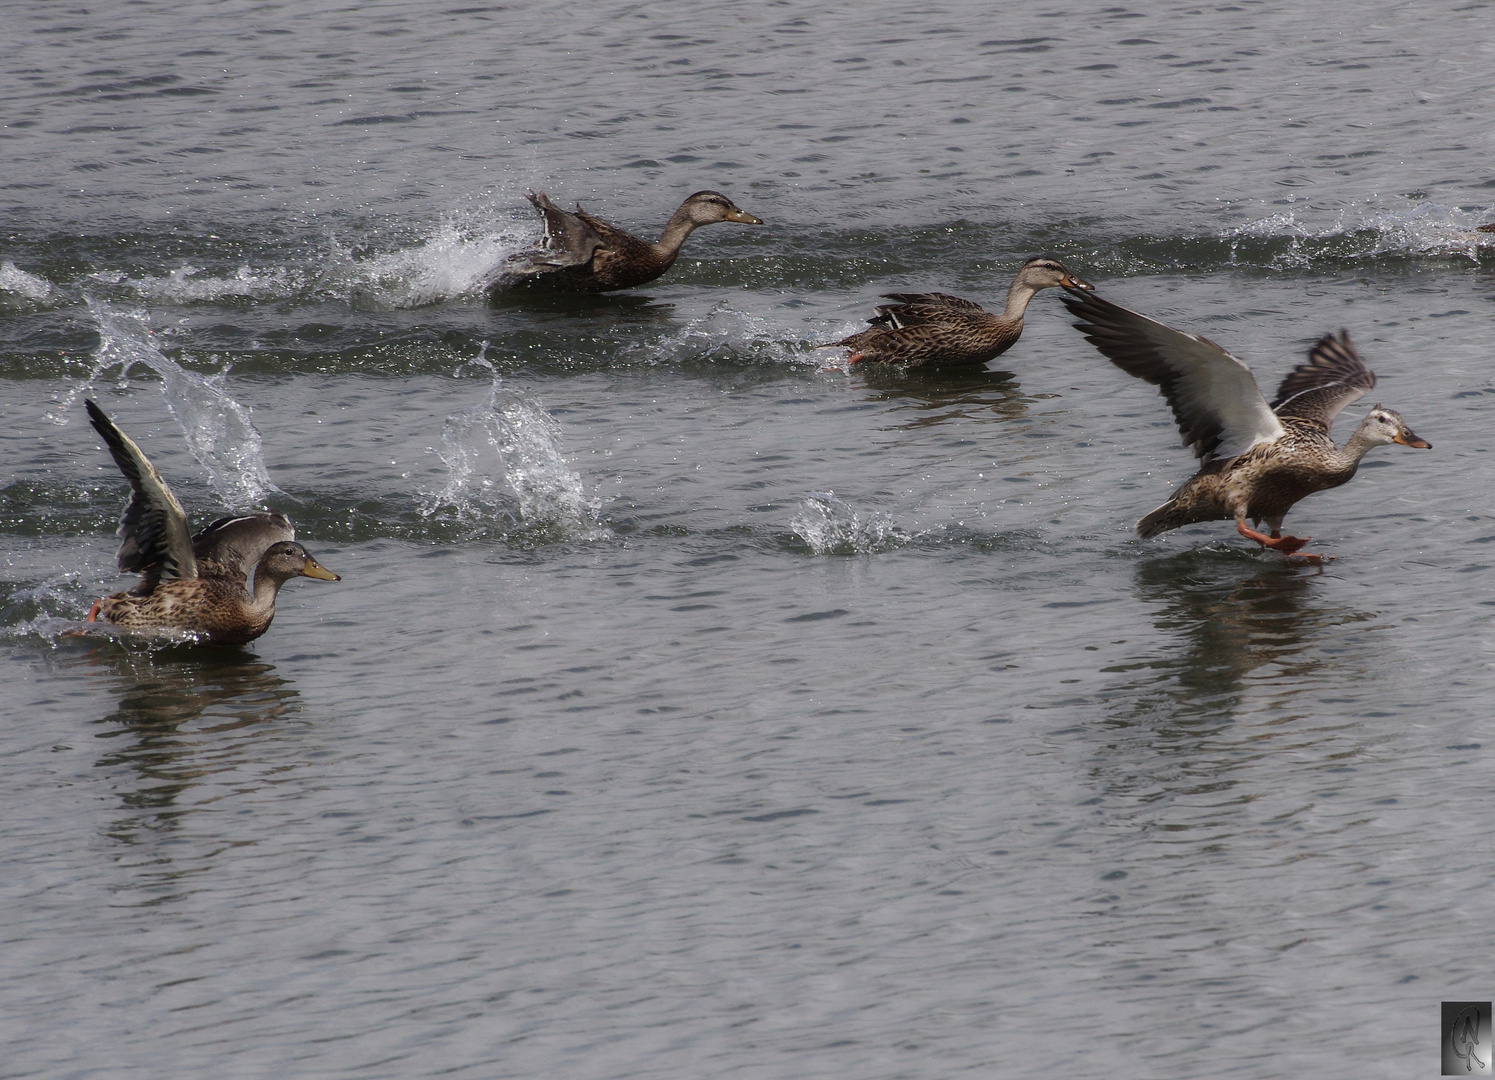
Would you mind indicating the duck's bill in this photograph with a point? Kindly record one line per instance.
(1069, 281)
(318, 571)
(743, 218)
(1406, 438)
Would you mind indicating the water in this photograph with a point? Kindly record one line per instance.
(690, 705)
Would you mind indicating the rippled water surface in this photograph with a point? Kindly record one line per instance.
(690, 705)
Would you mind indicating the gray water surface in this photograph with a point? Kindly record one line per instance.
(692, 706)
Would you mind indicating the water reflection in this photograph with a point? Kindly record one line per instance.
(1227, 615)
(541, 299)
(934, 397)
(181, 715)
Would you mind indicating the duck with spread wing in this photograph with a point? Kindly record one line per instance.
(1257, 460)
(220, 584)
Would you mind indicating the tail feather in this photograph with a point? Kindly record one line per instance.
(1171, 515)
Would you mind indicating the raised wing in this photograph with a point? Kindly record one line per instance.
(934, 299)
(1214, 398)
(1333, 377)
(922, 309)
(153, 525)
(238, 542)
(570, 239)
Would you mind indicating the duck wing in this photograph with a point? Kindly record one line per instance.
(1214, 398)
(1333, 377)
(570, 239)
(157, 543)
(238, 542)
(934, 299)
(923, 309)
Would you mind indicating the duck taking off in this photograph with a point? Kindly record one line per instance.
(586, 254)
(939, 330)
(200, 584)
(1257, 460)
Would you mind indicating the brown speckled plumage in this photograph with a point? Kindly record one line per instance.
(937, 329)
(1257, 459)
(200, 585)
(586, 254)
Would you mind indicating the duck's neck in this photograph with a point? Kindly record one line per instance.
(679, 227)
(266, 588)
(1356, 448)
(1018, 295)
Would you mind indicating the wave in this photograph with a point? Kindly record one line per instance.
(20, 284)
(726, 334)
(1430, 229)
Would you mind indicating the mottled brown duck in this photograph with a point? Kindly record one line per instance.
(1257, 460)
(200, 584)
(940, 330)
(586, 254)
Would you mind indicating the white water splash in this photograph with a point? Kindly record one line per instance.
(219, 431)
(460, 256)
(1364, 232)
(725, 333)
(509, 447)
(453, 261)
(188, 285)
(15, 280)
(830, 526)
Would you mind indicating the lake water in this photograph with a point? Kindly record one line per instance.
(691, 706)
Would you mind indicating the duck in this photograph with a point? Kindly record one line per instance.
(1256, 459)
(940, 330)
(583, 253)
(199, 584)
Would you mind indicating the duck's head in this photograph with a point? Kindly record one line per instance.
(1043, 273)
(288, 559)
(1382, 427)
(709, 207)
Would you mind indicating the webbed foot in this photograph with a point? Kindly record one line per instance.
(1277, 542)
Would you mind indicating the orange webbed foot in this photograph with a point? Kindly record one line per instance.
(1277, 542)
(93, 612)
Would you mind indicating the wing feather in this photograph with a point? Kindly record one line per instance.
(934, 299)
(1333, 377)
(238, 542)
(153, 526)
(570, 239)
(1214, 397)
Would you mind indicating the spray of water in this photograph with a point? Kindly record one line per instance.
(219, 431)
(507, 449)
(727, 334)
(15, 280)
(1367, 232)
(830, 526)
(453, 261)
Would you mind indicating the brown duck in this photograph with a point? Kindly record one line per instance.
(937, 329)
(1257, 459)
(584, 253)
(201, 584)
